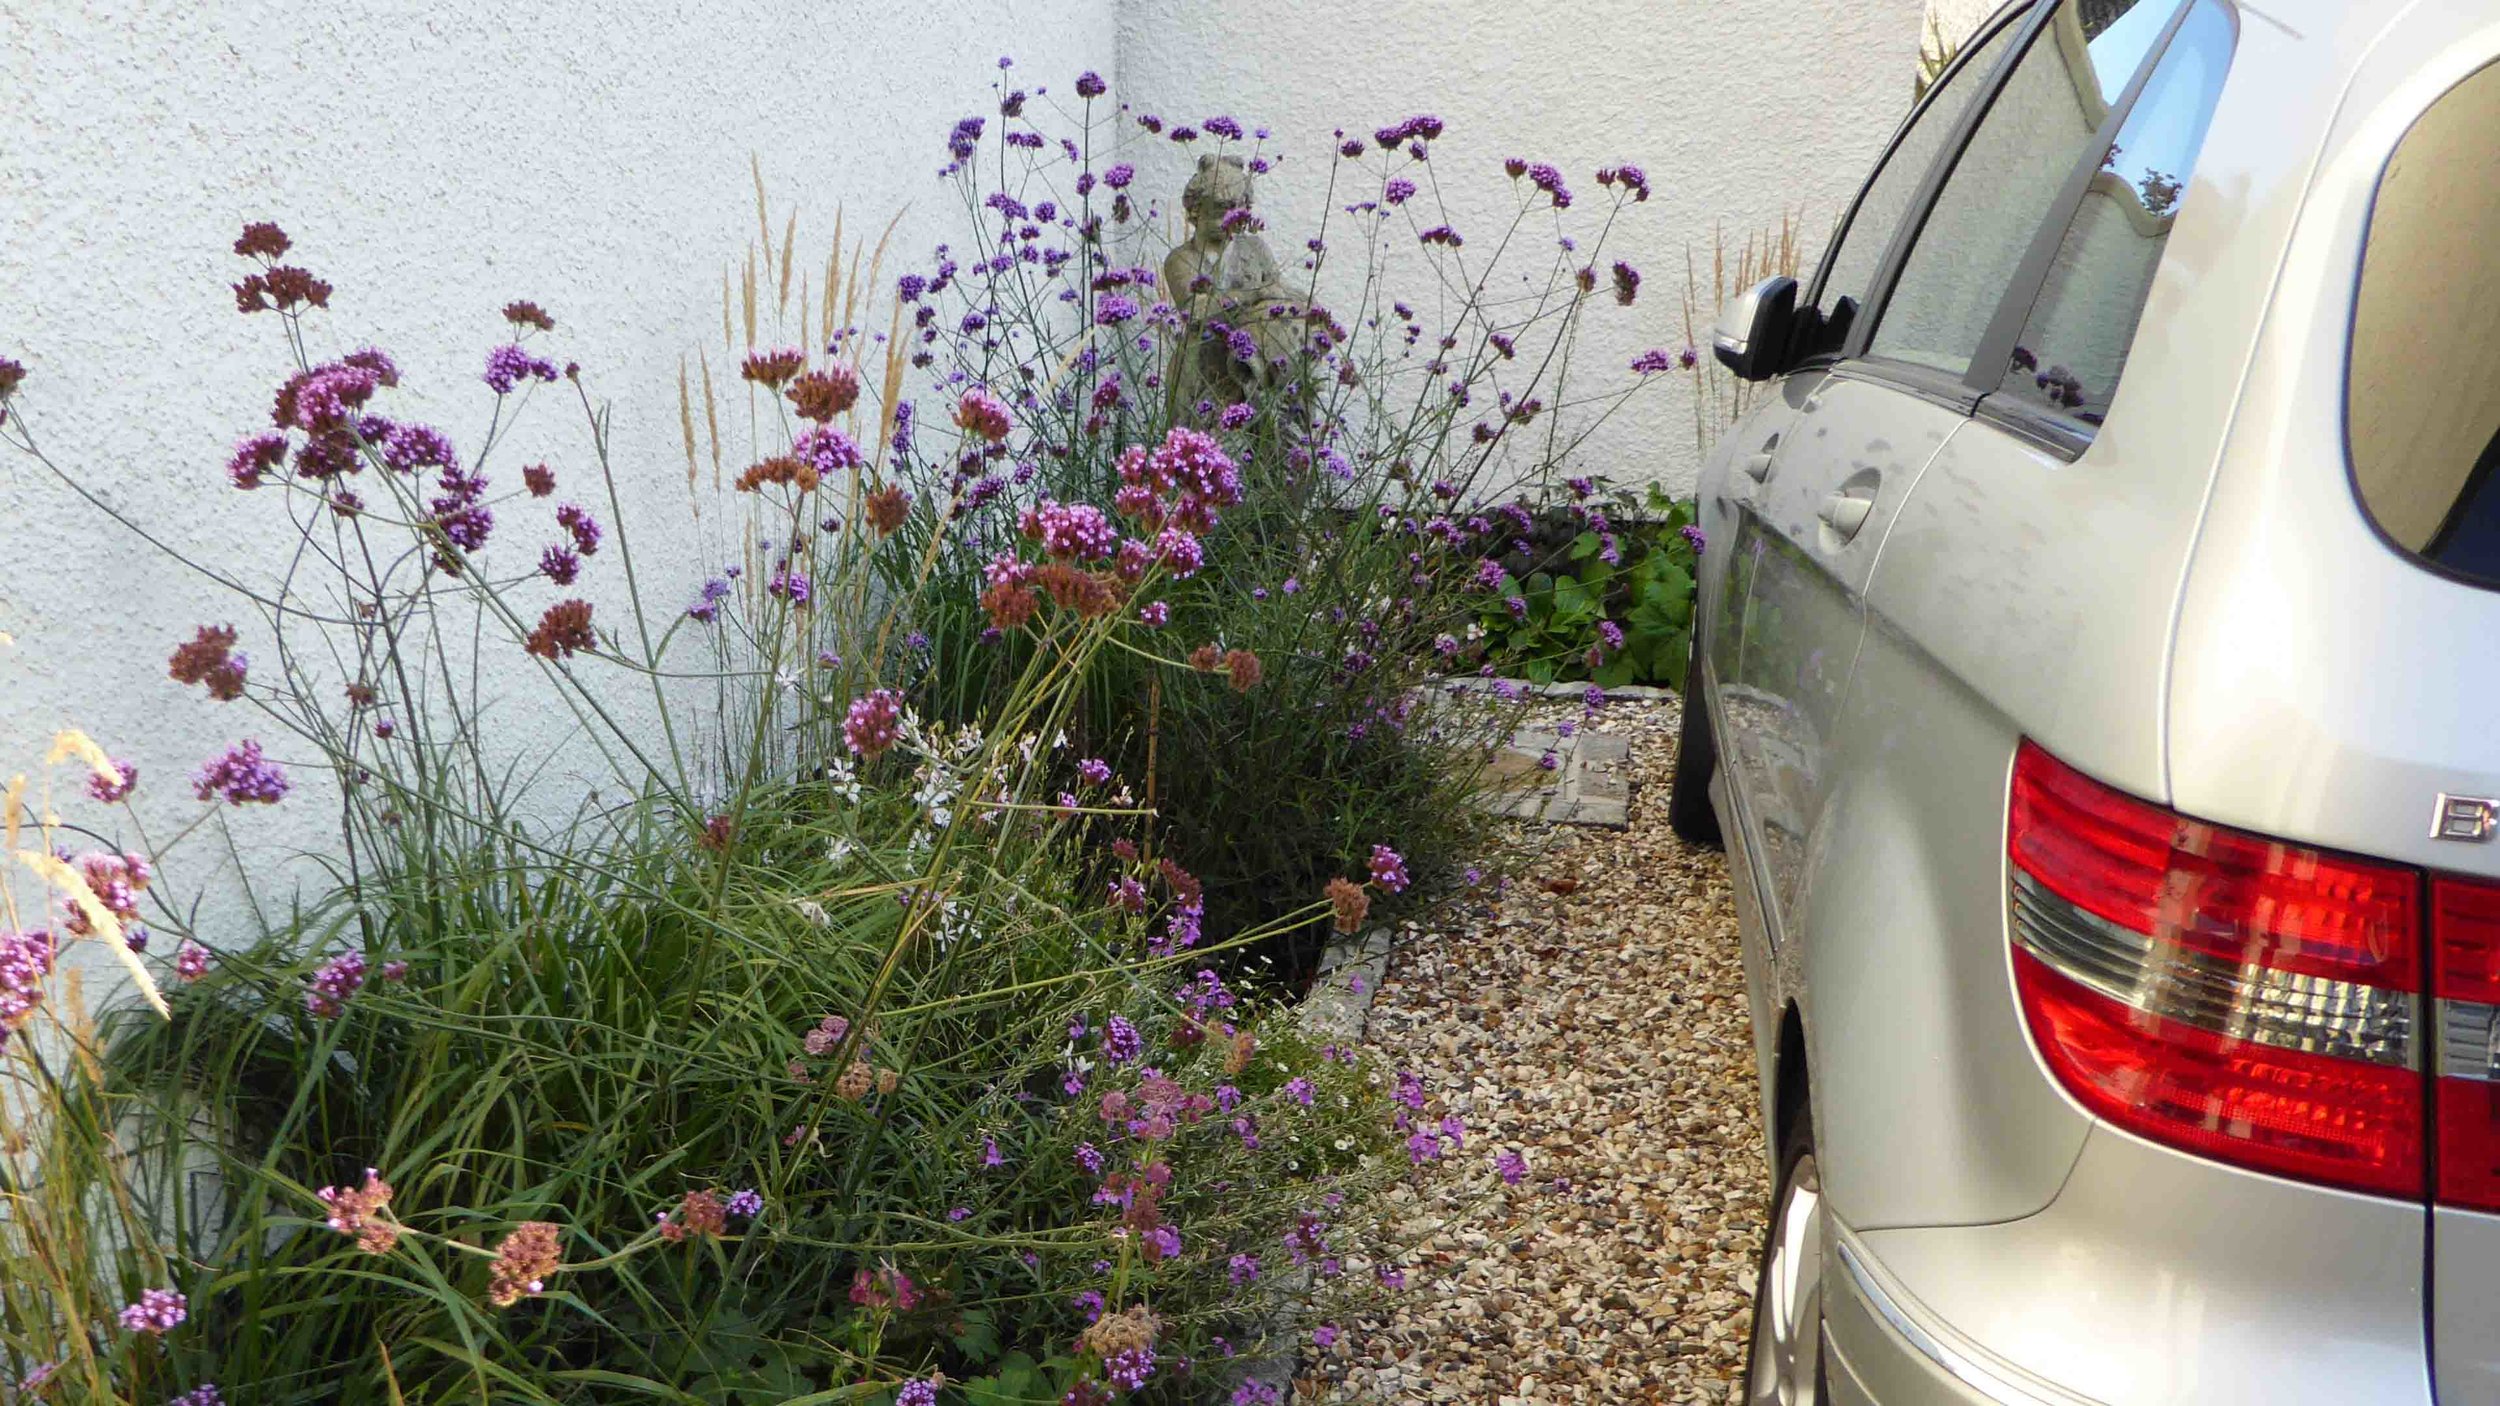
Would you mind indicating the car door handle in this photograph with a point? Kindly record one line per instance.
(1845, 513)
(1758, 468)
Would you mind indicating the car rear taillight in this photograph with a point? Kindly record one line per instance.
(2238, 997)
(2465, 976)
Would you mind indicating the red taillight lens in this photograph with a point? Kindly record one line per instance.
(2230, 995)
(2465, 975)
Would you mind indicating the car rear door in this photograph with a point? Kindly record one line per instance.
(1814, 480)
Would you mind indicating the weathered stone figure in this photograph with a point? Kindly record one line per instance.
(1230, 292)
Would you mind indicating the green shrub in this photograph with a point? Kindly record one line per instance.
(1578, 594)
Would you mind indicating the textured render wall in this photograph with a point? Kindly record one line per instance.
(432, 160)
(1738, 109)
(1954, 20)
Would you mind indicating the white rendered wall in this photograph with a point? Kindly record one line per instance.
(1737, 109)
(432, 159)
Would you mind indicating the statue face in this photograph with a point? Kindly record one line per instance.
(1218, 189)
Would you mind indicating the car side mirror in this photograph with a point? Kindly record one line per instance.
(1752, 336)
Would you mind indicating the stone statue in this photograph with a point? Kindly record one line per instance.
(1238, 320)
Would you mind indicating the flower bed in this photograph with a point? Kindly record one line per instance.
(888, 1027)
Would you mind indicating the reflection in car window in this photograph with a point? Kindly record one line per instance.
(2009, 176)
(2423, 406)
(2074, 344)
(1850, 267)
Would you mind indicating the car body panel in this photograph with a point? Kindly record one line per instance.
(2193, 610)
(2138, 1286)
(2327, 688)
(1852, 442)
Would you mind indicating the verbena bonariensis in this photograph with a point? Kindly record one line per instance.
(862, 1028)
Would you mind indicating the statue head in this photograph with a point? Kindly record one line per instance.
(1220, 185)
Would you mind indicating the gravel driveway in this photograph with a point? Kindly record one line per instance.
(1596, 1022)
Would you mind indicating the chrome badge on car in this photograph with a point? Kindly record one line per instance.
(2468, 818)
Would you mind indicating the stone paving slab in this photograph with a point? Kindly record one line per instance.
(1588, 783)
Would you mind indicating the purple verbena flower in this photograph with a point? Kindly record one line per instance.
(157, 1312)
(241, 776)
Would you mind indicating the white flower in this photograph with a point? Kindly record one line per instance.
(813, 911)
(840, 849)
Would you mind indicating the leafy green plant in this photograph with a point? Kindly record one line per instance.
(1579, 595)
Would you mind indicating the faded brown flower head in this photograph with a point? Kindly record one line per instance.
(361, 694)
(524, 313)
(888, 508)
(1132, 1329)
(524, 1262)
(1586, 278)
(1009, 605)
(717, 833)
(284, 288)
(263, 240)
(541, 480)
(1206, 659)
(1239, 1048)
(855, 1081)
(209, 659)
(12, 374)
(1244, 668)
(363, 1212)
(781, 468)
(771, 368)
(888, 1080)
(700, 1213)
(1352, 901)
(563, 631)
(821, 395)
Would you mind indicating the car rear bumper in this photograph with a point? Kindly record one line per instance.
(2152, 1278)
(1883, 1349)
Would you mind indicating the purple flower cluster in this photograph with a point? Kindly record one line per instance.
(1128, 1368)
(116, 788)
(1120, 1041)
(335, 983)
(508, 366)
(25, 961)
(1071, 531)
(576, 519)
(745, 1205)
(873, 723)
(706, 608)
(1546, 178)
(1388, 869)
(791, 584)
(559, 564)
(241, 776)
(158, 1311)
(1422, 128)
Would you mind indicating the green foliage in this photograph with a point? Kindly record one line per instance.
(1567, 590)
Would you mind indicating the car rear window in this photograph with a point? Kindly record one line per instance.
(2422, 407)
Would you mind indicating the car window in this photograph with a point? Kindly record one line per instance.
(2074, 344)
(2422, 406)
(1849, 269)
(2043, 121)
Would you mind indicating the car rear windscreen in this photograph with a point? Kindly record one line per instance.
(2423, 403)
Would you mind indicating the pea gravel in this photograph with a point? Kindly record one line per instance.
(1595, 1021)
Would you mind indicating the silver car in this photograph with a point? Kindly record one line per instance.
(2098, 689)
